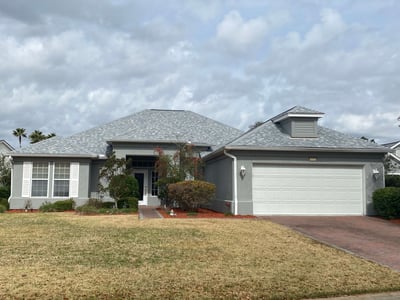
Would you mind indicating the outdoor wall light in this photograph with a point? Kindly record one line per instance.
(375, 173)
(242, 171)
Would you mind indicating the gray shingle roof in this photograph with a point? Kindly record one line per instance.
(270, 136)
(144, 126)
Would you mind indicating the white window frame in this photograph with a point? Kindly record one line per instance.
(32, 179)
(58, 179)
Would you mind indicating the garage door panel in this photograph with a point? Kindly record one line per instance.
(315, 190)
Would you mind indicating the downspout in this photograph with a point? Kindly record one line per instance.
(235, 198)
(12, 179)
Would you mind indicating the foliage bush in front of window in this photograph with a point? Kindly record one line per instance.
(96, 206)
(190, 195)
(387, 202)
(58, 206)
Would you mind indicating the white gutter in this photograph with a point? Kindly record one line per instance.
(235, 198)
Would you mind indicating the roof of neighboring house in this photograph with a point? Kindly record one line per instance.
(392, 145)
(152, 126)
(6, 145)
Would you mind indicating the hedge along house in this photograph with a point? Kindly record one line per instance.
(288, 165)
(292, 166)
(60, 168)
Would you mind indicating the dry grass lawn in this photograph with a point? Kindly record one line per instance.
(63, 255)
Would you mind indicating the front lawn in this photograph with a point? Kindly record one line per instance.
(64, 255)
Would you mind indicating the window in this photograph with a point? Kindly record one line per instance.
(154, 186)
(61, 179)
(40, 178)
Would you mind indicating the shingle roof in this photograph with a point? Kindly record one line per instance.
(145, 126)
(270, 136)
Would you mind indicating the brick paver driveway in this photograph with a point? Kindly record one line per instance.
(375, 239)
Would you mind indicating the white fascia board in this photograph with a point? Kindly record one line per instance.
(297, 115)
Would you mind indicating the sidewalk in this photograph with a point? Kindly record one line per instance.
(148, 212)
(380, 296)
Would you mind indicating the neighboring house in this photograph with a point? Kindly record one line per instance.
(394, 158)
(5, 147)
(288, 165)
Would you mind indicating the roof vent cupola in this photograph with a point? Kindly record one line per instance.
(299, 122)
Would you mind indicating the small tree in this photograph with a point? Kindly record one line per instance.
(122, 187)
(5, 172)
(184, 164)
(113, 167)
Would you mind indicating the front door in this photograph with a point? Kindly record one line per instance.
(141, 177)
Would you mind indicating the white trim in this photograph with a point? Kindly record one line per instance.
(395, 145)
(74, 180)
(145, 185)
(235, 198)
(26, 179)
(395, 157)
(297, 115)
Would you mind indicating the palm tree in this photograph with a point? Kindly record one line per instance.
(19, 133)
(50, 135)
(37, 136)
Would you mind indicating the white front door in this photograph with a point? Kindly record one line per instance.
(142, 179)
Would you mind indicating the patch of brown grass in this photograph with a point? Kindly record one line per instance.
(63, 255)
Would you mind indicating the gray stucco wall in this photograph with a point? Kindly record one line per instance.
(219, 172)
(366, 161)
(18, 202)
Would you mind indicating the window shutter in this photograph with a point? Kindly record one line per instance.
(26, 179)
(74, 179)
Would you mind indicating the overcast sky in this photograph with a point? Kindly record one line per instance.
(67, 66)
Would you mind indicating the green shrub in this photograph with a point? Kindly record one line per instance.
(123, 186)
(108, 205)
(2, 208)
(387, 202)
(129, 202)
(5, 203)
(95, 202)
(62, 205)
(392, 180)
(46, 207)
(87, 209)
(4, 192)
(190, 195)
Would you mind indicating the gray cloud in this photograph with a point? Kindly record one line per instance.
(66, 66)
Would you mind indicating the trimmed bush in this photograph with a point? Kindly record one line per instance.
(123, 186)
(5, 203)
(2, 208)
(62, 205)
(190, 195)
(87, 209)
(392, 180)
(387, 202)
(129, 202)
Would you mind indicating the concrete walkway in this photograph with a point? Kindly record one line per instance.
(148, 212)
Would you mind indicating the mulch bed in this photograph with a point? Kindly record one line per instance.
(201, 213)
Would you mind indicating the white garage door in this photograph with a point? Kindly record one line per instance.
(307, 190)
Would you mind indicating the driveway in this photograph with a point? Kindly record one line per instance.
(372, 238)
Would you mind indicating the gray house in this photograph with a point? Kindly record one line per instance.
(394, 158)
(5, 147)
(288, 165)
